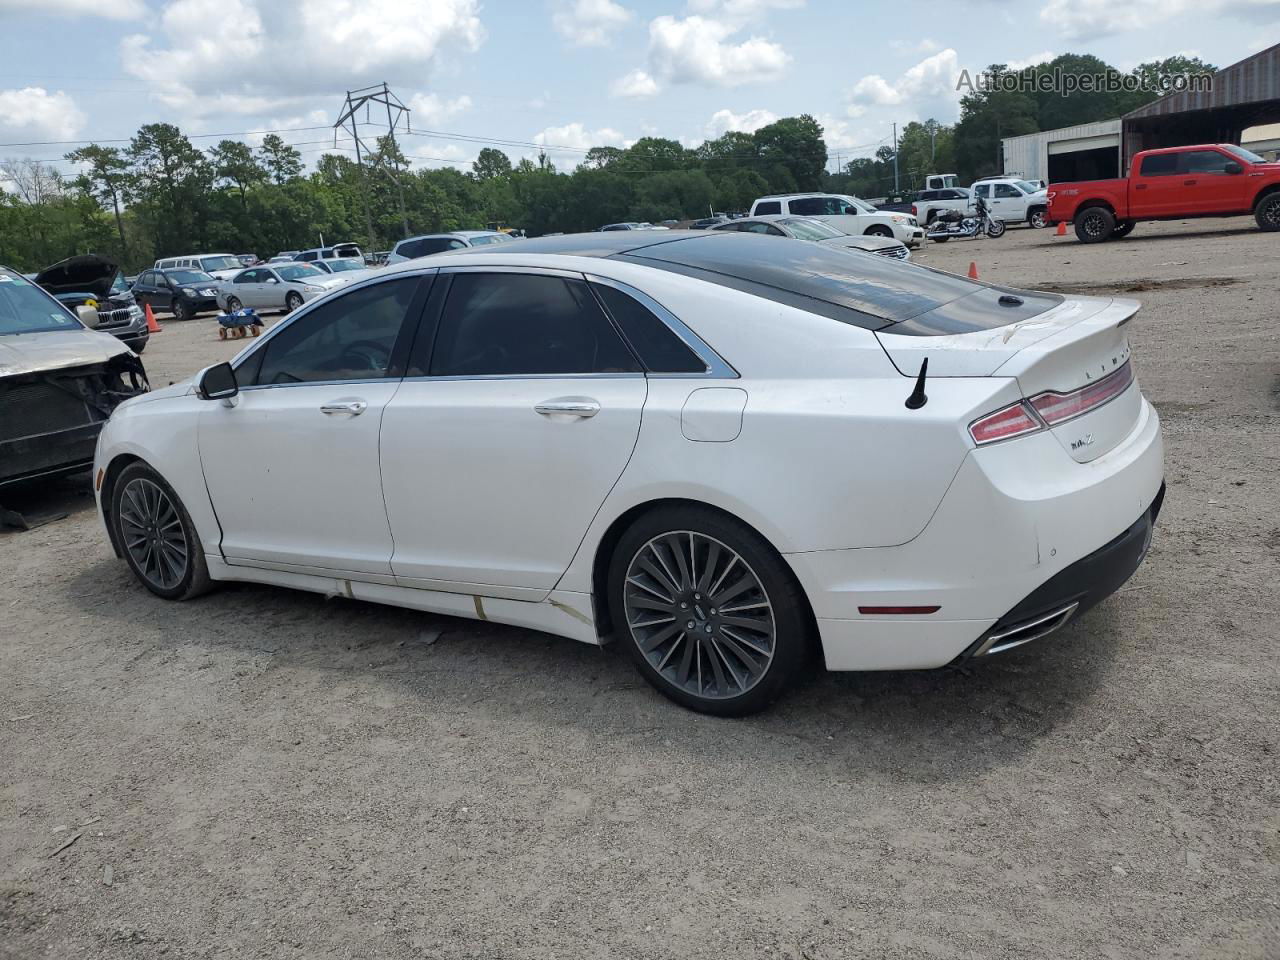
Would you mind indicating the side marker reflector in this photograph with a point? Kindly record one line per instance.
(903, 611)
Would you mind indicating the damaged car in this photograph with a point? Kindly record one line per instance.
(59, 381)
(96, 281)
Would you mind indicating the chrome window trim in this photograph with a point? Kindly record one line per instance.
(261, 344)
(717, 366)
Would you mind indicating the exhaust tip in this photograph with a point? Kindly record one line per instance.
(1021, 633)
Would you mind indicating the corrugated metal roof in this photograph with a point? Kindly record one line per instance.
(1252, 80)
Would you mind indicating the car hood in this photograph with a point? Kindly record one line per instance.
(90, 274)
(56, 350)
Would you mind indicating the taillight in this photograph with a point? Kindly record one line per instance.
(913, 211)
(1055, 408)
(1011, 421)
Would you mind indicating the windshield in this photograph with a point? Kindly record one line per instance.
(862, 205)
(189, 276)
(337, 266)
(209, 264)
(118, 285)
(1028, 187)
(25, 308)
(811, 229)
(1248, 156)
(299, 271)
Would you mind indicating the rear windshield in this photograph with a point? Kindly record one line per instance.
(846, 285)
(25, 308)
(188, 276)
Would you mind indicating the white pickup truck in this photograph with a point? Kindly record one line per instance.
(1008, 198)
(929, 203)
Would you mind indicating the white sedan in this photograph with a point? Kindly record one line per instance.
(721, 449)
(276, 286)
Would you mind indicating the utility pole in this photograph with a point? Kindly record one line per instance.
(895, 158)
(348, 121)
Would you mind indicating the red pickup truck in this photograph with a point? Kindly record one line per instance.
(1174, 183)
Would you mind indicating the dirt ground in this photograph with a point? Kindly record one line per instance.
(262, 773)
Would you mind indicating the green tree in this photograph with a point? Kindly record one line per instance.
(796, 144)
(105, 181)
(282, 162)
(491, 164)
(170, 183)
(235, 164)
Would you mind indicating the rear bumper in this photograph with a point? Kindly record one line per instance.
(1017, 519)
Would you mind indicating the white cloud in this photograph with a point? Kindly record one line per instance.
(1044, 56)
(430, 109)
(839, 137)
(589, 23)
(741, 11)
(635, 84)
(699, 50)
(287, 50)
(110, 9)
(722, 121)
(1090, 19)
(35, 112)
(928, 89)
(576, 139)
(432, 153)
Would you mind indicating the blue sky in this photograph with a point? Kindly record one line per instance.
(564, 73)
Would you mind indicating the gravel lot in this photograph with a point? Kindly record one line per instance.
(263, 773)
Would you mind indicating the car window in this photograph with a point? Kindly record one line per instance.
(183, 275)
(309, 255)
(983, 190)
(811, 229)
(1160, 165)
(513, 324)
(348, 338)
(1204, 161)
(298, 272)
(249, 276)
(25, 308)
(656, 344)
(766, 207)
(481, 241)
(732, 225)
(807, 207)
(1007, 190)
(427, 246)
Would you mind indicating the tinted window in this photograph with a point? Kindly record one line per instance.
(1204, 161)
(983, 190)
(765, 207)
(1007, 190)
(1160, 165)
(350, 338)
(250, 276)
(520, 324)
(427, 246)
(657, 345)
(929, 195)
(309, 255)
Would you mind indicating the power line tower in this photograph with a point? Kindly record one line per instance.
(349, 122)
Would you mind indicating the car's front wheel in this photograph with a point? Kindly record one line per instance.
(293, 301)
(709, 612)
(879, 231)
(156, 535)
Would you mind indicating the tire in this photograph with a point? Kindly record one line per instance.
(939, 239)
(879, 230)
(730, 666)
(293, 301)
(1038, 218)
(1123, 229)
(181, 311)
(996, 230)
(1094, 225)
(1267, 213)
(156, 535)
(233, 304)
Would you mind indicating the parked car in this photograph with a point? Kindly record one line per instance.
(708, 445)
(346, 268)
(846, 213)
(1012, 200)
(96, 281)
(220, 266)
(338, 250)
(706, 223)
(183, 292)
(929, 203)
(1206, 180)
(280, 286)
(630, 225)
(59, 382)
(806, 228)
(941, 181)
(428, 244)
(284, 256)
(248, 259)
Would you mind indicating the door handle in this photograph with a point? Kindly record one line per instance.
(583, 407)
(1139, 186)
(350, 408)
(1188, 183)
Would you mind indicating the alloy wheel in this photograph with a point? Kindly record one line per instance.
(1094, 224)
(1038, 219)
(1271, 211)
(152, 532)
(699, 614)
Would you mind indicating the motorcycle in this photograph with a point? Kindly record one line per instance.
(961, 226)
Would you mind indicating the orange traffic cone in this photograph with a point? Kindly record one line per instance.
(973, 270)
(1062, 229)
(152, 326)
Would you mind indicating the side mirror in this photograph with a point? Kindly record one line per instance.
(272, 280)
(218, 383)
(1233, 167)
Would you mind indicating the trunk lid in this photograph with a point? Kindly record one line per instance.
(1069, 347)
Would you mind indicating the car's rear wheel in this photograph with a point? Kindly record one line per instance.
(879, 230)
(233, 304)
(1094, 225)
(1267, 213)
(156, 535)
(293, 301)
(709, 612)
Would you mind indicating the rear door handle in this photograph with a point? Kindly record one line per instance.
(349, 408)
(583, 407)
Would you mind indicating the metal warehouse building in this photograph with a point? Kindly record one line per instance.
(1242, 97)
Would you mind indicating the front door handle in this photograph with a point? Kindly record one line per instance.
(349, 408)
(583, 407)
